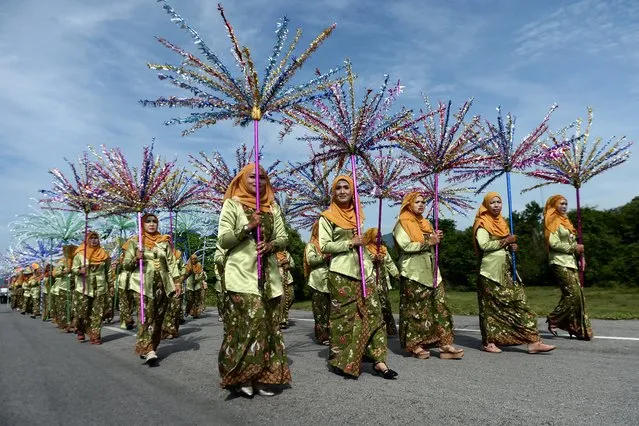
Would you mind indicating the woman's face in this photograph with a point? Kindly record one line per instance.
(94, 241)
(562, 206)
(418, 205)
(495, 206)
(343, 193)
(151, 224)
(249, 181)
(193, 259)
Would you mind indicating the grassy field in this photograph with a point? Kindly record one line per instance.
(602, 303)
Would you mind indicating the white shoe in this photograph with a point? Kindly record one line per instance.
(151, 359)
(263, 391)
(246, 389)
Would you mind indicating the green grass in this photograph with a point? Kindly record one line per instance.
(601, 303)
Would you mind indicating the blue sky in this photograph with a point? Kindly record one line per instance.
(71, 73)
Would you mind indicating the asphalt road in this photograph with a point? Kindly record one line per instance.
(48, 378)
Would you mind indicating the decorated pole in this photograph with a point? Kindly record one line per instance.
(512, 224)
(358, 216)
(256, 150)
(141, 266)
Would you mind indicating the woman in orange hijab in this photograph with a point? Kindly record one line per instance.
(384, 269)
(93, 280)
(504, 315)
(424, 316)
(252, 356)
(357, 327)
(563, 249)
(161, 282)
(316, 273)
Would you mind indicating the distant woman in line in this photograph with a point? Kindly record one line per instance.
(316, 273)
(504, 315)
(563, 250)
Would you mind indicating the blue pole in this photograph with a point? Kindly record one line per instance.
(512, 225)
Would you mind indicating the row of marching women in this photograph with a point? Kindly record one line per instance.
(349, 274)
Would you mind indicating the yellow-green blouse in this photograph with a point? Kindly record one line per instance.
(240, 269)
(318, 277)
(158, 259)
(495, 257)
(562, 245)
(415, 258)
(386, 268)
(335, 241)
(97, 277)
(194, 281)
(219, 258)
(64, 279)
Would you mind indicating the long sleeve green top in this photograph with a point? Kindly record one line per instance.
(318, 277)
(415, 258)
(159, 259)
(97, 276)
(194, 281)
(562, 244)
(219, 258)
(240, 269)
(495, 257)
(336, 241)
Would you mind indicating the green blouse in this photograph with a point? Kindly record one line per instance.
(562, 245)
(159, 259)
(64, 279)
(194, 281)
(336, 241)
(387, 268)
(495, 257)
(240, 269)
(415, 258)
(97, 278)
(219, 258)
(318, 277)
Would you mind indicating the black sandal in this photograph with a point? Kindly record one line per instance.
(387, 374)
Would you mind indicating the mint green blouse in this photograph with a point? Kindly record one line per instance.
(240, 270)
(159, 259)
(562, 245)
(415, 258)
(97, 277)
(495, 257)
(335, 241)
(318, 277)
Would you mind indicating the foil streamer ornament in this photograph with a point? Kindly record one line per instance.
(243, 99)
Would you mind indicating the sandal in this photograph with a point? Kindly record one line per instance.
(491, 348)
(450, 352)
(539, 347)
(387, 374)
(552, 328)
(420, 353)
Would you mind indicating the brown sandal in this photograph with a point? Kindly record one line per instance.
(450, 352)
(420, 353)
(491, 348)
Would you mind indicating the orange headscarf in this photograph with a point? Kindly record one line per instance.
(496, 226)
(150, 240)
(414, 224)
(94, 254)
(370, 241)
(343, 217)
(239, 190)
(552, 217)
(315, 241)
(195, 267)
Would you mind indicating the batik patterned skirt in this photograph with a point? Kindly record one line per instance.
(570, 314)
(356, 325)
(253, 346)
(150, 331)
(424, 317)
(321, 304)
(504, 315)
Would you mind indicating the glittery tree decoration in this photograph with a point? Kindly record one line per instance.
(311, 191)
(55, 225)
(451, 197)
(580, 162)
(502, 157)
(243, 99)
(346, 132)
(441, 148)
(80, 195)
(182, 190)
(128, 190)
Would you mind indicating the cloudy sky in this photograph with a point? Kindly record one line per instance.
(71, 73)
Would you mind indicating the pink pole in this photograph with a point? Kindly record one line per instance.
(379, 238)
(360, 249)
(86, 232)
(141, 264)
(256, 150)
(580, 240)
(436, 208)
